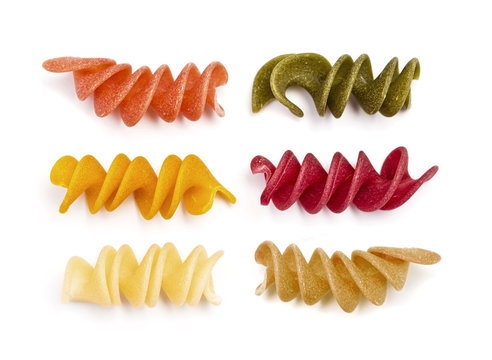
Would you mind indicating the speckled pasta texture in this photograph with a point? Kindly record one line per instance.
(331, 86)
(340, 184)
(366, 273)
(118, 272)
(187, 179)
(117, 86)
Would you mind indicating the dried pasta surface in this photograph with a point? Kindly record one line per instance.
(331, 86)
(116, 86)
(118, 272)
(366, 273)
(187, 179)
(341, 185)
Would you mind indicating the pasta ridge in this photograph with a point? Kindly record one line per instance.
(116, 86)
(314, 187)
(365, 273)
(187, 179)
(331, 86)
(118, 271)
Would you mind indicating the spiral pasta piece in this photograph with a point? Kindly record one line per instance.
(115, 85)
(189, 179)
(331, 86)
(119, 271)
(342, 185)
(366, 273)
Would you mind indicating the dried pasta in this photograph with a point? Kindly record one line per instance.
(341, 185)
(119, 272)
(331, 86)
(187, 179)
(115, 85)
(366, 273)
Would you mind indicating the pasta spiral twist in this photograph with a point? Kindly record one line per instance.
(366, 273)
(117, 271)
(316, 188)
(331, 86)
(189, 179)
(114, 85)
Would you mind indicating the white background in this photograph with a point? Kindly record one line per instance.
(442, 308)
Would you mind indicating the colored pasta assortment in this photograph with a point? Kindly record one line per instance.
(116, 86)
(366, 273)
(187, 179)
(118, 272)
(331, 86)
(341, 185)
